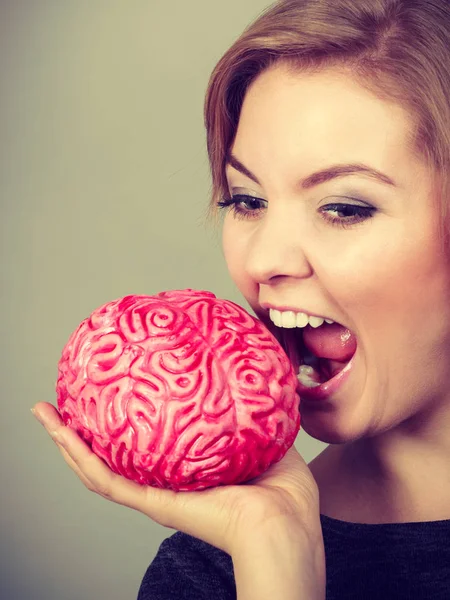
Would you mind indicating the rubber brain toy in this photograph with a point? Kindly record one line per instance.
(180, 390)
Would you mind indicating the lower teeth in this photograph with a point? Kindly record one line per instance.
(308, 376)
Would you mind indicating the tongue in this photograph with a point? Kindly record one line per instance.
(334, 342)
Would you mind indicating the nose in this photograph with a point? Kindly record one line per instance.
(277, 249)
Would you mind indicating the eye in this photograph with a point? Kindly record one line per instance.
(340, 214)
(243, 206)
(345, 215)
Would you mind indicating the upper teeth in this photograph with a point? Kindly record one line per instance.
(290, 319)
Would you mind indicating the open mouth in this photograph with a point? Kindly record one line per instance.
(318, 354)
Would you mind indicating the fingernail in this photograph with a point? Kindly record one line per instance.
(35, 414)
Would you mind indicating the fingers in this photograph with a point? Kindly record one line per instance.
(74, 467)
(185, 511)
(47, 415)
(91, 470)
(101, 479)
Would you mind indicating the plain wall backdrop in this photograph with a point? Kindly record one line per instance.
(104, 182)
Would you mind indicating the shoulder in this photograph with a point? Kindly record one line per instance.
(186, 567)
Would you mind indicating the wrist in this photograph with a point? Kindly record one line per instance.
(281, 560)
(292, 530)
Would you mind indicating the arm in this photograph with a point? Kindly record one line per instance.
(283, 562)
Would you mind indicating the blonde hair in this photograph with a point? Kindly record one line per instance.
(397, 49)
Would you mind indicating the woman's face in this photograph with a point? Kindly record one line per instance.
(377, 269)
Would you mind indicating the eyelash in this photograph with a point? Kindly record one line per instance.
(361, 213)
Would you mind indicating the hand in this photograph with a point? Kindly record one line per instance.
(285, 493)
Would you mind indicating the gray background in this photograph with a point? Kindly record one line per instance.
(103, 183)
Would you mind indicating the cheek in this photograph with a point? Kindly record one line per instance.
(380, 277)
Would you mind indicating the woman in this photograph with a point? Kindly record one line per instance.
(328, 128)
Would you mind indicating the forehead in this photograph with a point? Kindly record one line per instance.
(319, 117)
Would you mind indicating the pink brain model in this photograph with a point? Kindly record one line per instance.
(180, 390)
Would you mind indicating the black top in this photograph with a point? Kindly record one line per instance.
(398, 561)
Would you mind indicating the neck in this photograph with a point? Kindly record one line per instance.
(400, 476)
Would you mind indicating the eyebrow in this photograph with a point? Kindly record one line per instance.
(322, 176)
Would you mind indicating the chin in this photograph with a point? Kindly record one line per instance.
(331, 425)
(322, 432)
